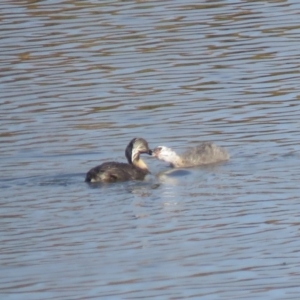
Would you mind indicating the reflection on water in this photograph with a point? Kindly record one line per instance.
(79, 80)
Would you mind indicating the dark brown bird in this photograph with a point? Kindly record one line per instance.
(135, 169)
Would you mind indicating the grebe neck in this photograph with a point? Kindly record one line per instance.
(138, 162)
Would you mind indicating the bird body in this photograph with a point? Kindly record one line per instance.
(135, 169)
(203, 154)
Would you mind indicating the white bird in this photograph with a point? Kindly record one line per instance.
(203, 154)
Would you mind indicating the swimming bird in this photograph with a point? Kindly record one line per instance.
(203, 154)
(135, 169)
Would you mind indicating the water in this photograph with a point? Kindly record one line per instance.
(80, 79)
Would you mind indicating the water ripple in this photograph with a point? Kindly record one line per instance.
(79, 80)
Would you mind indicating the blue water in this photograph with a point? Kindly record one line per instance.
(79, 80)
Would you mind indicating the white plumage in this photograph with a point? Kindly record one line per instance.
(203, 154)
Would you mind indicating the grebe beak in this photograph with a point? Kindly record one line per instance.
(146, 151)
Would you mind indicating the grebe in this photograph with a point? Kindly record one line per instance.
(205, 153)
(113, 171)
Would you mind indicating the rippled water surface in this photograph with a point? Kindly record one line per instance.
(80, 79)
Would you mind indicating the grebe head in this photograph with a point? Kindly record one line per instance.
(164, 153)
(135, 148)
